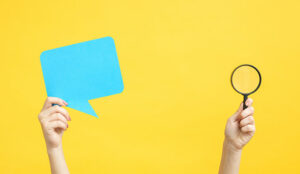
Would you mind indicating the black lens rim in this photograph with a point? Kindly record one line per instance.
(255, 70)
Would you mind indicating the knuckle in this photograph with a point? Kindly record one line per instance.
(251, 118)
(56, 116)
(60, 123)
(242, 122)
(40, 116)
(52, 117)
(243, 114)
(59, 117)
(44, 123)
(62, 110)
(48, 99)
(244, 129)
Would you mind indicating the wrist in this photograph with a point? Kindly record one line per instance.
(231, 147)
(57, 160)
(53, 151)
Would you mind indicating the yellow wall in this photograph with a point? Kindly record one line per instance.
(176, 58)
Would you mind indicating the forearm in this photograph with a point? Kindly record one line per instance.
(231, 157)
(57, 161)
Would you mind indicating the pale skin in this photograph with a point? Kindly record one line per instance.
(239, 130)
(54, 121)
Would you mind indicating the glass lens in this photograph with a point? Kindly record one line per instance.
(245, 79)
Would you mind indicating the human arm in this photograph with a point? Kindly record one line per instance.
(240, 128)
(54, 121)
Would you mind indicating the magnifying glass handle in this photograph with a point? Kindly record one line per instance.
(244, 102)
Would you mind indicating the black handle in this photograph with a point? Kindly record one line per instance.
(244, 102)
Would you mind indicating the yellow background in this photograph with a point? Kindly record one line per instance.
(176, 58)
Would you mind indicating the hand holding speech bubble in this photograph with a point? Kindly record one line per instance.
(81, 72)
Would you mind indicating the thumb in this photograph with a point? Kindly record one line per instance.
(235, 116)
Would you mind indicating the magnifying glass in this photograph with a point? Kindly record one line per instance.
(245, 79)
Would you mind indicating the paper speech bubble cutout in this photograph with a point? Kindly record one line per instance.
(81, 72)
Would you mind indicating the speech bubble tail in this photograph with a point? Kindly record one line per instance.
(83, 106)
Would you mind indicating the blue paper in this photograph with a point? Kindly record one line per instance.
(81, 72)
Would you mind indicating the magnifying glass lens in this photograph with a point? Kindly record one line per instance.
(245, 79)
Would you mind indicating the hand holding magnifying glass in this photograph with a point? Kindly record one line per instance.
(245, 79)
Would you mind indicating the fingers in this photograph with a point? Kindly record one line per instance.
(53, 121)
(240, 109)
(54, 100)
(237, 113)
(247, 124)
(54, 109)
(240, 113)
(57, 124)
(248, 128)
(249, 102)
(246, 121)
(247, 112)
(58, 109)
(56, 117)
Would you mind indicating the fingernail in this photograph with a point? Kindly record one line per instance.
(67, 125)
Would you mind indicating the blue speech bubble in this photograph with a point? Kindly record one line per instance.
(81, 72)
